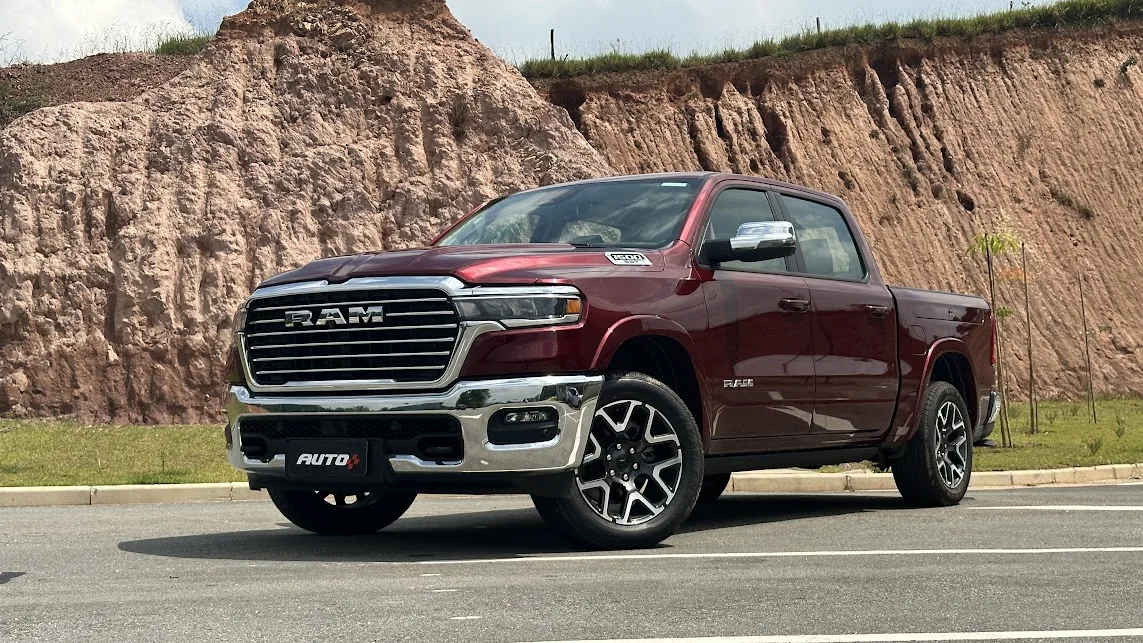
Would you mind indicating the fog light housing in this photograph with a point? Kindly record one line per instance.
(523, 426)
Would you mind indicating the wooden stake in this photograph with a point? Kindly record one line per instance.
(1033, 424)
(819, 24)
(1087, 354)
(553, 37)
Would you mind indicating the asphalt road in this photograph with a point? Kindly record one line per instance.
(486, 569)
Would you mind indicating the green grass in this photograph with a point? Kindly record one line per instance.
(35, 453)
(1060, 14)
(182, 44)
(1068, 438)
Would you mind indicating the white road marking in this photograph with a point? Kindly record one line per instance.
(443, 591)
(430, 574)
(464, 618)
(784, 554)
(1067, 508)
(892, 638)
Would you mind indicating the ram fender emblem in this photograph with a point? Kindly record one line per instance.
(334, 316)
(737, 383)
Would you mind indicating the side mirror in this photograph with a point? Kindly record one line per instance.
(758, 241)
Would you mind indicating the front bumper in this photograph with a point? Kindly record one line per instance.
(471, 403)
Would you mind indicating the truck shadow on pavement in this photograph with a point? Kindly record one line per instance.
(503, 533)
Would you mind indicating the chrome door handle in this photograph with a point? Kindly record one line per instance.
(794, 305)
(877, 312)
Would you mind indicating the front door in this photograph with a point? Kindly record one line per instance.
(854, 327)
(759, 340)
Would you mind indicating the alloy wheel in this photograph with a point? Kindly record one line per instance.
(952, 445)
(633, 463)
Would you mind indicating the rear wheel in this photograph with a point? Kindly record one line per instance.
(713, 487)
(641, 472)
(341, 512)
(936, 467)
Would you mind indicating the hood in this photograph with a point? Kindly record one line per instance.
(507, 264)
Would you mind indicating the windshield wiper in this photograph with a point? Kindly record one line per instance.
(590, 245)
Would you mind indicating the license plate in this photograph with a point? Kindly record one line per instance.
(327, 458)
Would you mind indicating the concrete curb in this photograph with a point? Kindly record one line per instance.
(762, 481)
(756, 481)
(126, 494)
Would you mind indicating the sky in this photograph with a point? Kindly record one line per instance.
(58, 30)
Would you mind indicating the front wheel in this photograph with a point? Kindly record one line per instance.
(641, 473)
(935, 469)
(340, 513)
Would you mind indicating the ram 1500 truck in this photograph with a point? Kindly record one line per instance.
(616, 348)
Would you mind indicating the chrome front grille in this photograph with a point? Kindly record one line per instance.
(403, 336)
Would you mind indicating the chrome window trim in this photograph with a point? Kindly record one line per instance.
(452, 287)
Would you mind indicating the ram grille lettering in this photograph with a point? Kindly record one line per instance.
(335, 316)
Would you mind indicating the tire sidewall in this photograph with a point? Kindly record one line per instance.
(634, 386)
(936, 396)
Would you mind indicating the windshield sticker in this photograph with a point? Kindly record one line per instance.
(628, 259)
(675, 185)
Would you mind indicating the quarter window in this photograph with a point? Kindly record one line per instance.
(825, 240)
(733, 208)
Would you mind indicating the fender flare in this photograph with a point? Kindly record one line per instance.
(644, 325)
(905, 432)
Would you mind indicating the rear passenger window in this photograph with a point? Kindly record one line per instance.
(825, 241)
(733, 208)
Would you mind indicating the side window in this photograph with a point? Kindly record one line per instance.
(826, 242)
(731, 209)
(589, 232)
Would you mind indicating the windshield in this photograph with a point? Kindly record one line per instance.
(641, 213)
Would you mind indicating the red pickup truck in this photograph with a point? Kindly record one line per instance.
(616, 348)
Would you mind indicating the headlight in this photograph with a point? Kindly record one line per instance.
(531, 307)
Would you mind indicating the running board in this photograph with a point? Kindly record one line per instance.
(789, 460)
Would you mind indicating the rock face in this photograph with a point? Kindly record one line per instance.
(130, 231)
(1038, 135)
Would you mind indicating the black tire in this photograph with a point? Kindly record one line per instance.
(580, 517)
(323, 513)
(922, 477)
(713, 487)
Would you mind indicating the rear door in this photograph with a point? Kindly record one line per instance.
(854, 325)
(759, 339)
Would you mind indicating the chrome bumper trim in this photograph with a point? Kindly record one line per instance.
(472, 403)
(994, 408)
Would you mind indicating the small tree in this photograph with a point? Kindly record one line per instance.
(991, 245)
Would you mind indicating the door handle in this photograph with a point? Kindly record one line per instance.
(794, 305)
(877, 312)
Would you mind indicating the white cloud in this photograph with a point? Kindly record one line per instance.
(58, 30)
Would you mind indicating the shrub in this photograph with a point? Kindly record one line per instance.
(181, 44)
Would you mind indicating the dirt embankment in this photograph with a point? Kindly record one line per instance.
(130, 231)
(1039, 135)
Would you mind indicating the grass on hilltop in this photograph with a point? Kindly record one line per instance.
(182, 44)
(1060, 14)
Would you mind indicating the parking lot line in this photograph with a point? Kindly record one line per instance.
(782, 554)
(893, 638)
(1065, 508)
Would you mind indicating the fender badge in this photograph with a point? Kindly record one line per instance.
(628, 258)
